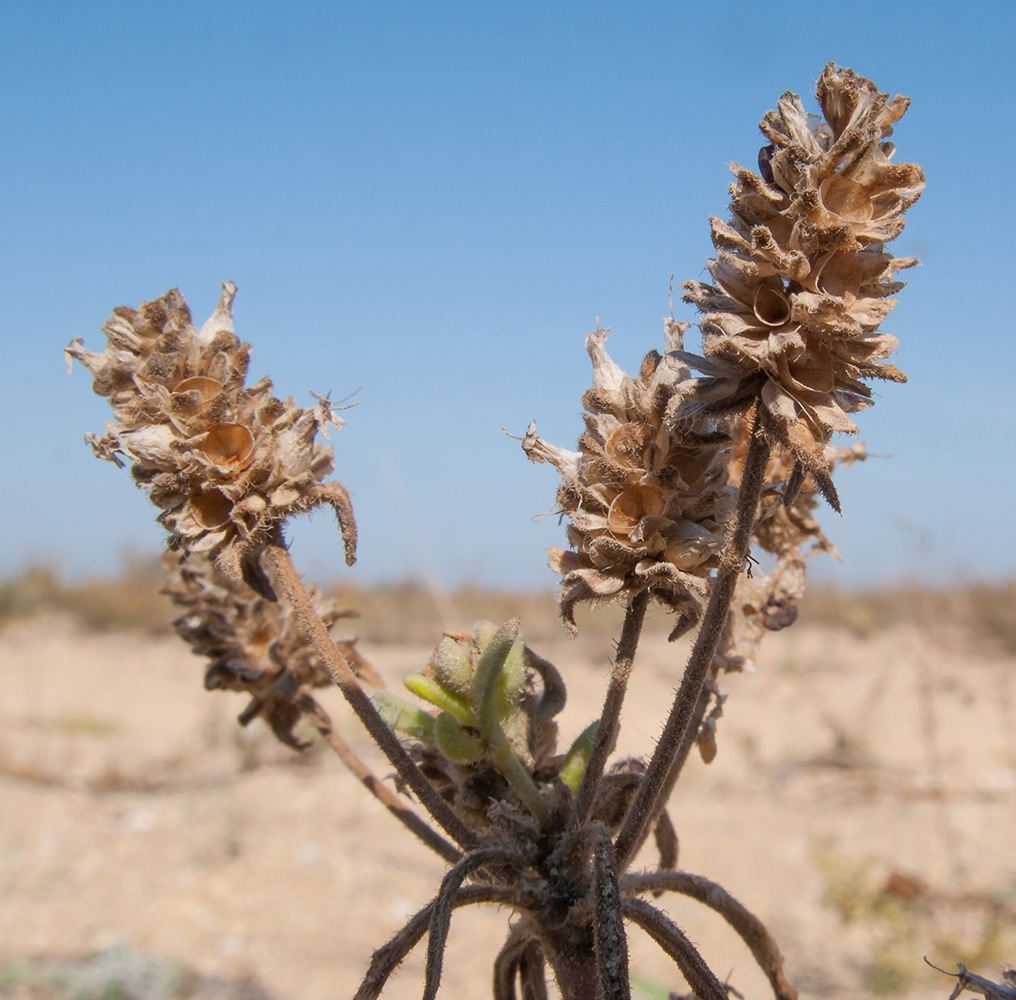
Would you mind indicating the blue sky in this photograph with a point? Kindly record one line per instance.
(435, 201)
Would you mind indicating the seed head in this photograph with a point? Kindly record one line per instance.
(252, 644)
(226, 463)
(646, 494)
(801, 276)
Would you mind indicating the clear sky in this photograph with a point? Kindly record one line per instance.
(435, 201)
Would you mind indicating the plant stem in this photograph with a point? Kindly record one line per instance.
(405, 815)
(679, 761)
(650, 796)
(751, 930)
(389, 956)
(621, 671)
(279, 561)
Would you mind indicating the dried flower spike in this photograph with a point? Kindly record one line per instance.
(225, 462)
(647, 495)
(802, 278)
(254, 645)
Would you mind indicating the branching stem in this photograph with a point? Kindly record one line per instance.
(280, 562)
(389, 956)
(626, 647)
(675, 943)
(649, 799)
(751, 930)
(380, 791)
(441, 914)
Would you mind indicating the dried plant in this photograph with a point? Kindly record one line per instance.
(675, 479)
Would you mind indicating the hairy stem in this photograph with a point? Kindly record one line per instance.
(701, 705)
(441, 914)
(532, 972)
(626, 647)
(673, 941)
(280, 562)
(389, 956)
(506, 965)
(380, 791)
(608, 924)
(650, 797)
(751, 930)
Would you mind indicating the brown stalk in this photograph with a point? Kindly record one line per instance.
(441, 914)
(666, 841)
(506, 965)
(673, 941)
(389, 956)
(533, 972)
(380, 791)
(554, 693)
(510, 959)
(650, 797)
(608, 924)
(621, 671)
(701, 706)
(282, 565)
(751, 930)
(794, 483)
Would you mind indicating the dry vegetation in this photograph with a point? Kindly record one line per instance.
(695, 494)
(862, 801)
(981, 614)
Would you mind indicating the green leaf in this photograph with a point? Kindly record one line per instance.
(456, 744)
(453, 665)
(574, 767)
(404, 717)
(488, 673)
(429, 689)
(511, 681)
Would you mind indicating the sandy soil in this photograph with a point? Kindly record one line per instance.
(134, 812)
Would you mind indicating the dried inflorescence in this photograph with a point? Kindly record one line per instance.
(663, 496)
(226, 463)
(802, 278)
(252, 644)
(646, 493)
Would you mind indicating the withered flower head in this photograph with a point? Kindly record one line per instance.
(646, 494)
(254, 645)
(227, 463)
(802, 278)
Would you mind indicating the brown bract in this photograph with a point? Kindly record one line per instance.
(227, 463)
(802, 278)
(646, 494)
(252, 644)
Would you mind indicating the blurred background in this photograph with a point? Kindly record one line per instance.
(426, 207)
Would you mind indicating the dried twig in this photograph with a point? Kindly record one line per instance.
(751, 930)
(978, 984)
(405, 815)
(389, 956)
(621, 671)
(441, 914)
(608, 924)
(282, 565)
(673, 941)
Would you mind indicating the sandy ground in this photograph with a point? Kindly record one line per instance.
(134, 813)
